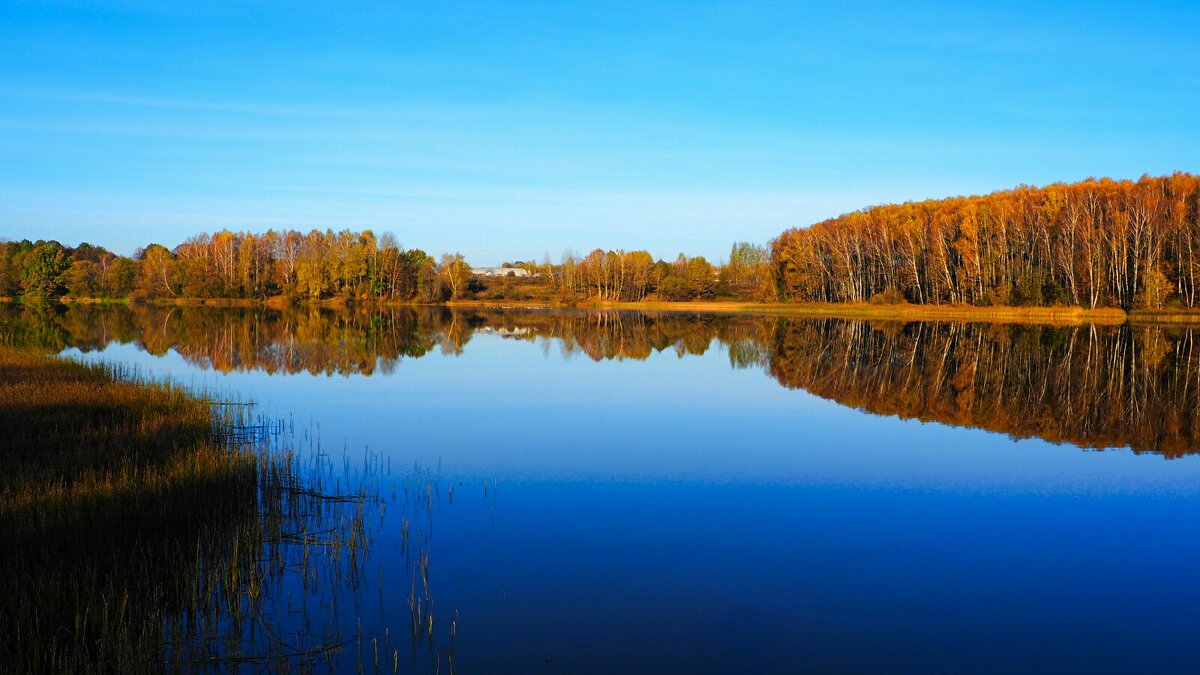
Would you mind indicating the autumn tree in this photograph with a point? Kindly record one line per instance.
(81, 279)
(454, 272)
(157, 273)
(42, 268)
(121, 278)
(1093, 243)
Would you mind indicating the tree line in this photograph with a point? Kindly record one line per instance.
(317, 265)
(1096, 243)
(358, 266)
(636, 275)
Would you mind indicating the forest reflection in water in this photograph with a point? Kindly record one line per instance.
(1092, 386)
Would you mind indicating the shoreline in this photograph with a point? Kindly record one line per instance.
(906, 312)
(1057, 315)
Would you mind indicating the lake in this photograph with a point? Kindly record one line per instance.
(579, 491)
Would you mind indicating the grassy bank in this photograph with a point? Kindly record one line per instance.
(112, 492)
(142, 523)
(908, 312)
(75, 432)
(1164, 316)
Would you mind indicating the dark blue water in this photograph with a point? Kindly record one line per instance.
(678, 514)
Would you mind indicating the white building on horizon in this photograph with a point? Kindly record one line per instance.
(500, 271)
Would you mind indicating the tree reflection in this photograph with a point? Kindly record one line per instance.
(1092, 386)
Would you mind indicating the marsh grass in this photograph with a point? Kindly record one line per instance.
(145, 528)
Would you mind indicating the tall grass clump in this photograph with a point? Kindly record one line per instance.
(142, 524)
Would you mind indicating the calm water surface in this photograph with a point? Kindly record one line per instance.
(639, 493)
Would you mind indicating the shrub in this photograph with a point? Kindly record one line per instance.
(889, 296)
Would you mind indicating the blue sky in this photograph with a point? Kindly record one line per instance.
(511, 130)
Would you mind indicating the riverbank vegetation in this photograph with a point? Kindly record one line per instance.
(1095, 244)
(143, 524)
(95, 470)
